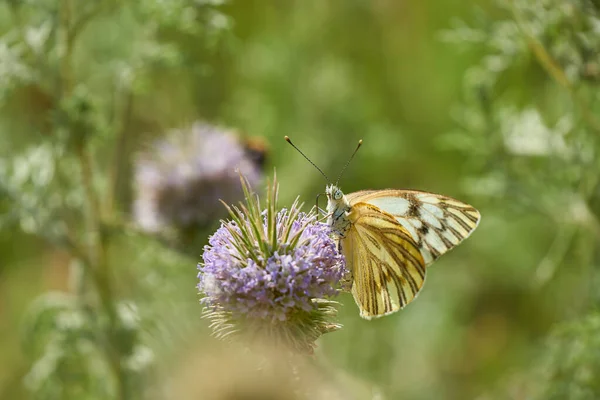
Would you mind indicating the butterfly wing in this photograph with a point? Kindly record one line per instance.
(436, 223)
(388, 269)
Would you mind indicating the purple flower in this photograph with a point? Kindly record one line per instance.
(180, 181)
(272, 271)
(279, 283)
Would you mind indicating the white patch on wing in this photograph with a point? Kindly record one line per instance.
(415, 222)
(392, 205)
(431, 220)
(427, 198)
(435, 241)
(409, 227)
(427, 256)
(436, 211)
(451, 222)
(461, 215)
(450, 236)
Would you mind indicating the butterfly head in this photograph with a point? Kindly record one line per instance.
(334, 193)
(336, 200)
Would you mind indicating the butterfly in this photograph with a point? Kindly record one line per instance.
(389, 237)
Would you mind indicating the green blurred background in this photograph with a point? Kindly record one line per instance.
(433, 114)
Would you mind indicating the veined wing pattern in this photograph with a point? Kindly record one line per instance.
(388, 269)
(436, 223)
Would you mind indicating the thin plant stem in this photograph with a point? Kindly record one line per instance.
(119, 152)
(100, 269)
(96, 259)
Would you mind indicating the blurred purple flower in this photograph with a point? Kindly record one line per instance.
(180, 180)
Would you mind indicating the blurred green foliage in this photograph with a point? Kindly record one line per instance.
(569, 363)
(496, 105)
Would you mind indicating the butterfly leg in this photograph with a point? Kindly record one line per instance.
(325, 216)
(319, 209)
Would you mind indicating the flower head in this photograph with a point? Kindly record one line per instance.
(276, 285)
(272, 270)
(180, 181)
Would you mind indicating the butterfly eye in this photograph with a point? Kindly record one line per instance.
(337, 195)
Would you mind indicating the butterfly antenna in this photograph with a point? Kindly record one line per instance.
(348, 162)
(287, 139)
